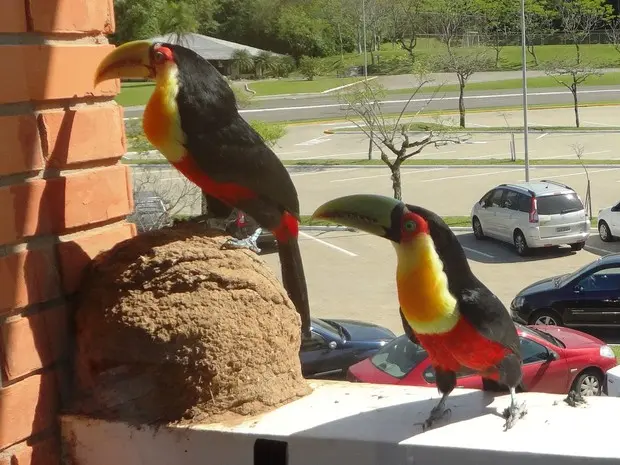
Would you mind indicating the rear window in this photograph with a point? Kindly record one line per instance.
(399, 357)
(558, 204)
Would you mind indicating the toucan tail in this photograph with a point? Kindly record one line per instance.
(294, 280)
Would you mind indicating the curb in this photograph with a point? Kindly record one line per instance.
(468, 228)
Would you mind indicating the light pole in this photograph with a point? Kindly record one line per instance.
(364, 32)
(524, 66)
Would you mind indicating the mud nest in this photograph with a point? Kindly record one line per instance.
(173, 328)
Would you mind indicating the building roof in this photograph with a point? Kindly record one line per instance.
(209, 48)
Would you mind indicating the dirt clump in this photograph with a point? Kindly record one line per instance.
(170, 327)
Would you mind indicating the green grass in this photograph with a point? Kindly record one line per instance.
(134, 93)
(298, 86)
(608, 79)
(436, 127)
(616, 350)
(394, 60)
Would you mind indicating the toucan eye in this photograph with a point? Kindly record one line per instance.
(160, 57)
(410, 226)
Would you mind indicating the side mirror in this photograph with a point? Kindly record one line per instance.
(332, 345)
(578, 289)
(551, 356)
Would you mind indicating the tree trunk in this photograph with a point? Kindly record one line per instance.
(396, 185)
(532, 51)
(578, 53)
(461, 103)
(497, 50)
(576, 103)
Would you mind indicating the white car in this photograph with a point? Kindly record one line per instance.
(613, 381)
(532, 214)
(609, 223)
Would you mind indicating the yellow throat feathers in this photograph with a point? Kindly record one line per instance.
(422, 286)
(161, 121)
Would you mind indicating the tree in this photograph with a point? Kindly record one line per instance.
(243, 61)
(571, 74)
(497, 23)
(539, 17)
(613, 33)
(393, 137)
(449, 18)
(464, 65)
(179, 18)
(263, 62)
(137, 19)
(309, 67)
(408, 21)
(580, 17)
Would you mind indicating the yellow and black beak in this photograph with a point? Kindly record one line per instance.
(375, 214)
(130, 60)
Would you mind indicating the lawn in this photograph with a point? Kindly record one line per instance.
(298, 86)
(392, 59)
(608, 79)
(134, 93)
(616, 350)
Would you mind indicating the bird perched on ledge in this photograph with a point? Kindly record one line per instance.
(192, 119)
(444, 307)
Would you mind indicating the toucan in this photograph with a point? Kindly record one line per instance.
(193, 120)
(443, 306)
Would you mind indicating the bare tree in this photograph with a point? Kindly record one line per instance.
(408, 18)
(578, 149)
(579, 18)
(571, 74)
(464, 66)
(613, 33)
(538, 24)
(396, 140)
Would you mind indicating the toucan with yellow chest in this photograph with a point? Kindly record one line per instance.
(192, 119)
(444, 307)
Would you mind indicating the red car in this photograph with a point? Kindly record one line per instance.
(555, 360)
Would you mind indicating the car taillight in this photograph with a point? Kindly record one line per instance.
(533, 210)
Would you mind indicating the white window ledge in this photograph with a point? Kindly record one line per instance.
(362, 424)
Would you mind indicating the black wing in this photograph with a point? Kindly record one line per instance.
(408, 331)
(477, 304)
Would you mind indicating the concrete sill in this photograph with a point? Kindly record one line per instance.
(363, 424)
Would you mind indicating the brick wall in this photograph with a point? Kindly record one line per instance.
(63, 198)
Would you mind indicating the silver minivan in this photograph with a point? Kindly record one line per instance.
(531, 215)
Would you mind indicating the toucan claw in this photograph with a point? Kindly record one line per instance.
(247, 243)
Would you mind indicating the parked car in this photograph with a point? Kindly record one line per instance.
(613, 382)
(589, 296)
(609, 223)
(531, 215)
(150, 212)
(335, 345)
(555, 360)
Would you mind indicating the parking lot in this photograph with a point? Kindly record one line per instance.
(352, 275)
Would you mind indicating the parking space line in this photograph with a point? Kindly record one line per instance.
(570, 154)
(335, 247)
(478, 252)
(542, 135)
(598, 249)
(463, 176)
(327, 171)
(580, 173)
(403, 173)
(601, 124)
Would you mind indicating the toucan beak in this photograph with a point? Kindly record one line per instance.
(130, 60)
(375, 214)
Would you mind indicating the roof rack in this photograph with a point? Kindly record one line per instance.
(556, 183)
(529, 191)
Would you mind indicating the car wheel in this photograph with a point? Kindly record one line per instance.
(604, 232)
(546, 317)
(477, 227)
(589, 383)
(520, 243)
(578, 246)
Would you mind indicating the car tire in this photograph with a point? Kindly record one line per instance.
(589, 383)
(520, 243)
(546, 317)
(477, 228)
(604, 232)
(578, 246)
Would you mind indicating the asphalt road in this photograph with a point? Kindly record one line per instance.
(328, 106)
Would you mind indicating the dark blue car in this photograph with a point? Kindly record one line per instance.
(335, 345)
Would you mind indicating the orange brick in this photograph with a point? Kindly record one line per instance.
(13, 17)
(34, 342)
(43, 452)
(28, 277)
(55, 205)
(76, 254)
(76, 136)
(28, 407)
(43, 72)
(72, 16)
(20, 150)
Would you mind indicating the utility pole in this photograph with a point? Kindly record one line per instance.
(524, 66)
(364, 29)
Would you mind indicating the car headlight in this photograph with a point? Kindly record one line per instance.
(607, 352)
(517, 302)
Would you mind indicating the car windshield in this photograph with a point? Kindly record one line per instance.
(558, 204)
(570, 276)
(326, 326)
(399, 357)
(546, 336)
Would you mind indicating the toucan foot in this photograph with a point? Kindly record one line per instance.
(515, 412)
(439, 412)
(247, 243)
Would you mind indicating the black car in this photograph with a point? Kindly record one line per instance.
(335, 345)
(589, 296)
